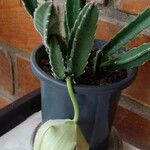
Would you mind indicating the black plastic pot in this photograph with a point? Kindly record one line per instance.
(97, 104)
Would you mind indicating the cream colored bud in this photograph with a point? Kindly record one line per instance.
(60, 135)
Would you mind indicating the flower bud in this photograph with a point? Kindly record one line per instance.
(60, 135)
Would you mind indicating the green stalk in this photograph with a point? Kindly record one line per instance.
(73, 99)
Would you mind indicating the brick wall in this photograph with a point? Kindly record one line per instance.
(18, 37)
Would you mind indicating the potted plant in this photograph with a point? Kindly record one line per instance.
(77, 71)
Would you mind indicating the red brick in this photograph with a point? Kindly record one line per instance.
(132, 6)
(138, 41)
(17, 30)
(27, 82)
(140, 89)
(6, 77)
(106, 30)
(3, 102)
(4, 4)
(133, 128)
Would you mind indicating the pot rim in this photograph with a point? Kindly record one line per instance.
(131, 73)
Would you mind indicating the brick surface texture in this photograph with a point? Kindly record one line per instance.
(16, 26)
(132, 6)
(6, 77)
(133, 128)
(106, 29)
(3, 102)
(5, 4)
(140, 89)
(27, 82)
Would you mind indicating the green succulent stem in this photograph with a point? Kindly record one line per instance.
(73, 99)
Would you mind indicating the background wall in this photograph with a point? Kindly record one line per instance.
(18, 37)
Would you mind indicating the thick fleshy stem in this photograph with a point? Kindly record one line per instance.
(73, 99)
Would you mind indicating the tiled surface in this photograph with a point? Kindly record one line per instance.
(20, 139)
(133, 128)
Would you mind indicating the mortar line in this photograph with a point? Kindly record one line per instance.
(13, 53)
(133, 106)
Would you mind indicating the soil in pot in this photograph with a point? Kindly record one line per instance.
(104, 78)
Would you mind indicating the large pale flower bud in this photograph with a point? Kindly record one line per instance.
(60, 135)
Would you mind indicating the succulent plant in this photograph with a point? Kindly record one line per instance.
(69, 55)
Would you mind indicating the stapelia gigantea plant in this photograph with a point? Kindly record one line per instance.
(69, 56)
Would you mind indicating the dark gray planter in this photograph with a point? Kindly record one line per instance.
(97, 104)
